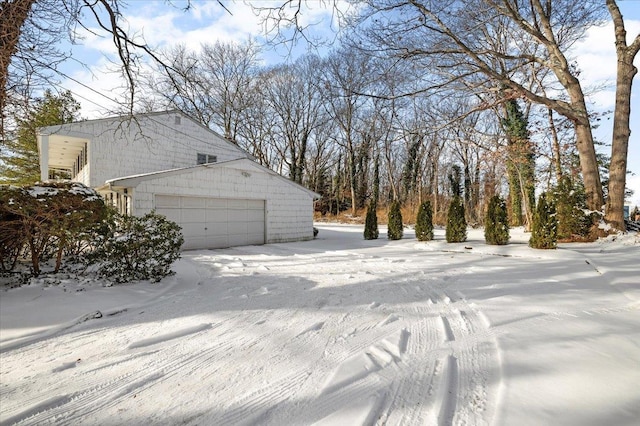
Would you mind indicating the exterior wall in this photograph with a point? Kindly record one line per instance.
(153, 143)
(289, 210)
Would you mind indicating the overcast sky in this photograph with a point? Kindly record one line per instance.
(163, 25)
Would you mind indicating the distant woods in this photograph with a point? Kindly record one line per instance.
(338, 125)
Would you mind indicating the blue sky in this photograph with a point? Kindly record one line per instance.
(163, 25)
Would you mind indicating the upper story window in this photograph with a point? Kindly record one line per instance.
(207, 158)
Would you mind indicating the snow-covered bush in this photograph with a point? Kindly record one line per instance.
(496, 222)
(394, 223)
(138, 248)
(43, 221)
(544, 232)
(371, 223)
(424, 222)
(456, 231)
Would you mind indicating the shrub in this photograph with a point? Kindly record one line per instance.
(394, 223)
(496, 222)
(371, 223)
(544, 232)
(571, 205)
(139, 248)
(456, 231)
(45, 220)
(424, 222)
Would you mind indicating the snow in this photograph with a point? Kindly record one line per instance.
(337, 331)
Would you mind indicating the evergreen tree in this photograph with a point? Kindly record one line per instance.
(456, 231)
(19, 162)
(544, 232)
(520, 161)
(496, 223)
(371, 223)
(454, 181)
(395, 222)
(571, 204)
(424, 222)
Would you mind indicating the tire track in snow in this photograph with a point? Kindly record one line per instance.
(448, 392)
(315, 399)
(94, 398)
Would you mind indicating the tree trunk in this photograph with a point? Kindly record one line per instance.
(584, 140)
(557, 160)
(621, 131)
(589, 166)
(13, 15)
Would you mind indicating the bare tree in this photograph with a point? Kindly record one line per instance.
(211, 85)
(453, 39)
(626, 71)
(295, 110)
(345, 76)
(30, 52)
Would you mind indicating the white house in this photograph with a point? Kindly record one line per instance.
(168, 162)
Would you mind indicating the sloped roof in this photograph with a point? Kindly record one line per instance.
(241, 163)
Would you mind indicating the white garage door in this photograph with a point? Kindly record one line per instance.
(215, 222)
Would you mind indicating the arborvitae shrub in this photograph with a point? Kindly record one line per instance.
(424, 222)
(139, 248)
(371, 223)
(571, 204)
(395, 222)
(456, 223)
(544, 232)
(496, 222)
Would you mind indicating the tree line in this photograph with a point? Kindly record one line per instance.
(414, 88)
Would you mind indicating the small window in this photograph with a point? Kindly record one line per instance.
(177, 120)
(207, 158)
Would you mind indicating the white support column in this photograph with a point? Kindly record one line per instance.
(43, 148)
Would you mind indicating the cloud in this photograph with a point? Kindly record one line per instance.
(596, 59)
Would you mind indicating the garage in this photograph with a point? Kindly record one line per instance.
(215, 222)
(224, 204)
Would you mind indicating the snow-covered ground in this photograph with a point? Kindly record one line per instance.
(340, 331)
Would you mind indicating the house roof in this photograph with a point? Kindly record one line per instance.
(241, 163)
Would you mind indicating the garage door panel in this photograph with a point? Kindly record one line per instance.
(194, 215)
(255, 215)
(255, 205)
(218, 242)
(255, 239)
(193, 202)
(171, 214)
(217, 230)
(237, 216)
(213, 222)
(237, 228)
(216, 203)
(217, 216)
(237, 204)
(255, 228)
(238, 240)
(167, 201)
(192, 230)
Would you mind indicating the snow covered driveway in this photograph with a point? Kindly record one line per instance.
(337, 331)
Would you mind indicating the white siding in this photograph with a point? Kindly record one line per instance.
(288, 209)
(152, 143)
